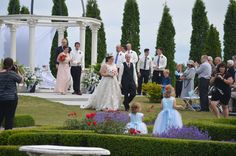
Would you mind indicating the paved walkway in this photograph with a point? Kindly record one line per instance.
(68, 99)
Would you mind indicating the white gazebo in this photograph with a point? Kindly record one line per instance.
(61, 23)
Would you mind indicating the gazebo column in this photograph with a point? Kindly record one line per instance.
(13, 41)
(94, 29)
(1, 23)
(61, 31)
(32, 24)
(82, 37)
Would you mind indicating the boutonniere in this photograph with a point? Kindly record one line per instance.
(120, 54)
(148, 58)
(79, 52)
(161, 56)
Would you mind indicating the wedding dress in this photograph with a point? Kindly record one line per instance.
(107, 95)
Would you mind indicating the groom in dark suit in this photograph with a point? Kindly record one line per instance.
(128, 81)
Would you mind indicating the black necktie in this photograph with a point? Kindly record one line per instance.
(145, 63)
(158, 60)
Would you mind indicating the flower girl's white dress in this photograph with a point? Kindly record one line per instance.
(107, 95)
(136, 122)
(168, 117)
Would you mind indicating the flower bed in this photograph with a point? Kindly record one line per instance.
(102, 122)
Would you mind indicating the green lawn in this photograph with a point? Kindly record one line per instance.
(51, 113)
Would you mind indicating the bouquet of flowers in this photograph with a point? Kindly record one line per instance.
(90, 80)
(30, 79)
(112, 72)
(62, 57)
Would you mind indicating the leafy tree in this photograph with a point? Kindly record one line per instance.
(94, 12)
(130, 28)
(166, 39)
(230, 31)
(59, 8)
(13, 7)
(199, 33)
(213, 46)
(24, 10)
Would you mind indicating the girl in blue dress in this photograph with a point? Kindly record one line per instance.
(169, 117)
(136, 119)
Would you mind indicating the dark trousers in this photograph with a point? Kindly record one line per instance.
(178, 88)
(7, 113)
(76, 74)
(144, 75)
(157, 76)
(129, 91)
(203, 93)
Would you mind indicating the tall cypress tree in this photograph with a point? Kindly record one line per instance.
(213, 46)
(13, 7)
(24, 10)
(59, 8)
(199, 33)
(130, 28)
(94, 12)
(165, 39)
(230, 31)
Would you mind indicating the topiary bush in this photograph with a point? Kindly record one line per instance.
(154, 91)
(23, 121)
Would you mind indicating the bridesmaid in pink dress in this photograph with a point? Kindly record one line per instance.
(63, 72)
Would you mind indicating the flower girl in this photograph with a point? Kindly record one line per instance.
(136, 120)
(169, 117)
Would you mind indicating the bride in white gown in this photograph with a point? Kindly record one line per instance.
(107, 95)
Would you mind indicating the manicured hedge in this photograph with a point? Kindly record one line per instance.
(11, 151)
(218, 129)
(4, 135)
(128, 145)
(23, 121)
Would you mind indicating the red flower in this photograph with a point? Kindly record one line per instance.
(132, 131)
(89, 123)
(88, 116)
(93, 114)
(72, 114)
(94, 123)
(152, 106)
(62, 58)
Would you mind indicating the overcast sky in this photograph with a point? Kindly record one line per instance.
(150, 16)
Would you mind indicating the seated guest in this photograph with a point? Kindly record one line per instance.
(166, 80)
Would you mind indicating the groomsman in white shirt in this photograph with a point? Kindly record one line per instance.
(133, 54)
(77, 66)
(119, 57)
(159, 64)
(144, 68)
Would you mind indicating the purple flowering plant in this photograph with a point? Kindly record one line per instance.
(192, 133)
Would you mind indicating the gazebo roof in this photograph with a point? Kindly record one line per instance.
(53, 21)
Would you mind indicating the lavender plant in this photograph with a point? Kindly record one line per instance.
(192, 133)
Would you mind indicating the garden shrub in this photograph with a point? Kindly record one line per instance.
(11, 151)
(128, 145)
(220, 129)
(23, 121)
(154, 91)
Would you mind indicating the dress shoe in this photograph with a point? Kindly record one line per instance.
(79, 93)
(74, 93)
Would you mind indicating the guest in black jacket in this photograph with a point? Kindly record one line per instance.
(8, 92)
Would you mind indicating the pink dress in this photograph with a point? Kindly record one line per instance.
(63, 76)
